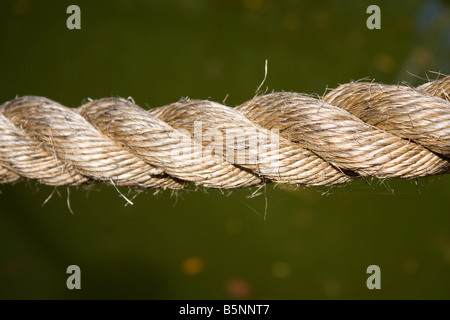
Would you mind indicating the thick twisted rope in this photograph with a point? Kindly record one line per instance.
(357, 130)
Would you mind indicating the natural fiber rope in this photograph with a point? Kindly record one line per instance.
(357, 130)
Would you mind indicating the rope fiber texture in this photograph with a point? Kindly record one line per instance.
(359, 129)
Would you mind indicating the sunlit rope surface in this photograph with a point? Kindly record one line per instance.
(359, 129)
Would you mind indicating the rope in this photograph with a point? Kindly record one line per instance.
(357, 130)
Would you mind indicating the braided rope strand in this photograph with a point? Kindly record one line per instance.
(359, 129)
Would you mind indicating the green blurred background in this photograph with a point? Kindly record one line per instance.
(314, 242)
